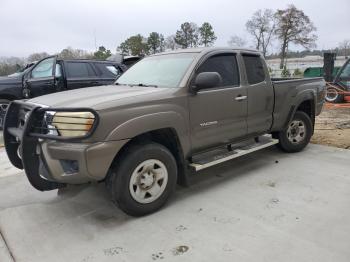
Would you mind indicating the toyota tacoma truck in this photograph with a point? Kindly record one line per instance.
(170, 115)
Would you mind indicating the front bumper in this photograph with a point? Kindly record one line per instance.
(50, 164)
(76, 163)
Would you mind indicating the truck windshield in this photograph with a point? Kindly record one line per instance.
(162, 70)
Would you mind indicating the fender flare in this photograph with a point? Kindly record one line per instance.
(307, 95)
(150, 122)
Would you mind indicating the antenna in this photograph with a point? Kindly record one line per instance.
(95, 39)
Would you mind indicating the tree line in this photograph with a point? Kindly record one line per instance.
(286, 26)
(189, 35)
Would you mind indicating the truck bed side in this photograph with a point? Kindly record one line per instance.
(290, 94)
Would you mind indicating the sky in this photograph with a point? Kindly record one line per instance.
(29, 26)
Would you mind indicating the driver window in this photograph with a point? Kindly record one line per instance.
(43, 69)
(225, 65)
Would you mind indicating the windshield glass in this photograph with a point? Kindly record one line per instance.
(163, 70)
(346, 71)
(21, 71)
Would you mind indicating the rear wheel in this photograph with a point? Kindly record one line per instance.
(143, 179)
(298, 133)
(333, 96)
(4, 103)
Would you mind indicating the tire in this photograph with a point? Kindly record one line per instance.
(333, 96)
(3, 107)
(143, 179)
(297, 135)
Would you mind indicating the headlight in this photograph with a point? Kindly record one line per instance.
(72, 124)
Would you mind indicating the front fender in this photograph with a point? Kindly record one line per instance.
(150, 122)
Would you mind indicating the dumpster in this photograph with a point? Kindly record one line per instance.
(318, 71)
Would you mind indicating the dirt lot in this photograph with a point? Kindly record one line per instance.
(333, 126)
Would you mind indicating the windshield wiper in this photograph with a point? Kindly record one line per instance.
(145, 85)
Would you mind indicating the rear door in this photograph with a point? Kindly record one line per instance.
(260, 94)
(107, 73)
(80, 74)
(218, 114)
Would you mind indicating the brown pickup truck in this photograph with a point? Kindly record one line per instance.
(167, 116)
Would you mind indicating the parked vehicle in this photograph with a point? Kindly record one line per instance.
(340, 87)
(169, 115)
(52, 75)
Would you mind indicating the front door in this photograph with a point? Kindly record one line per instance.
(218, 114)
(41, 79)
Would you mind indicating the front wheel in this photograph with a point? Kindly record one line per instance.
(298, 133)
(4, 103)
(143, 179)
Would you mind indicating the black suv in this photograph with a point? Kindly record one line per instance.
(54, 75)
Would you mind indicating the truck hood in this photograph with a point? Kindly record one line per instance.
(94, 97)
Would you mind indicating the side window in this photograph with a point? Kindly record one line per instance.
(43, 69)
(114, 70)
(346, 72)
(79, 69)
(58, 70)
(254, 69)
(108, 70)
(225, 65)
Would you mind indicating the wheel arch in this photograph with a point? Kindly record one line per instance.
(306, 105)
(169, 138)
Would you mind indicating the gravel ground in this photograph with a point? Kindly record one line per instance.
(333, 127)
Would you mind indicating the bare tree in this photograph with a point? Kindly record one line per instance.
(71, 53)
(37, 56)
(294, 26)
(262, 26)
(236, 41)
(344, 47)
(170, 43)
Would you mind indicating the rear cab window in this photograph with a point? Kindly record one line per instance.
(108, 70)
(254, 68)
(79, 70)
(224, 64)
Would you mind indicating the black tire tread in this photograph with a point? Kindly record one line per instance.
(286, 145)
(118, 179)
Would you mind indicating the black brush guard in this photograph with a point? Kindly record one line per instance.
(22, 130)
(19, 118)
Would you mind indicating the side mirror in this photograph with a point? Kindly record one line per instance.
(206, 80)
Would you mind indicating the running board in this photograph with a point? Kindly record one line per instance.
(218, 156)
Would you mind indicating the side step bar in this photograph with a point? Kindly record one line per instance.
(218, 156)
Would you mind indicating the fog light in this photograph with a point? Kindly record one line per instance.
(70, 166)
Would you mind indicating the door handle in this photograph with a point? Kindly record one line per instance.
(240, 98)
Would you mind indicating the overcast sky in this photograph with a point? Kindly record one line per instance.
(29, 26)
